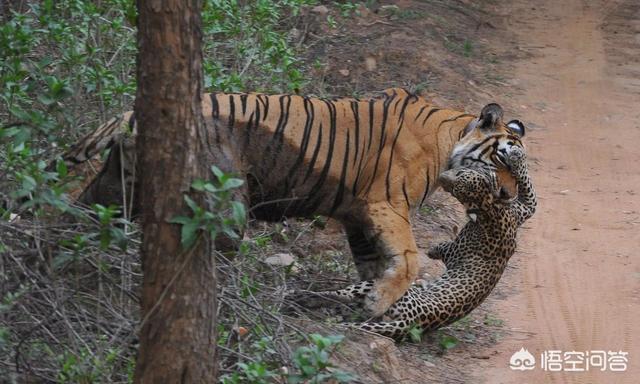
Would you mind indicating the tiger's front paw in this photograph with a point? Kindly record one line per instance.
(377, 303)
(383, 295)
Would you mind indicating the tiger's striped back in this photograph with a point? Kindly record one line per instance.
(315, 156)
(325, 155)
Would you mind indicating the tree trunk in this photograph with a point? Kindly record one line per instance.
(178, 338)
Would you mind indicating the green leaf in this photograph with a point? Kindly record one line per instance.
(20, 113)
(230, 233)
(216, 171)
(239, 212)
(189, 233)
(105, 239)
(5, 335)
(198, 185)
(192, 204)
(19, 147)
(415, 334)
(210, 188)
(28, 183)
(232, 184)
(342, 376)
(61, 168)
(8, 132)
(46, 99)
(447, 342)
(180, 220)
(294, 379)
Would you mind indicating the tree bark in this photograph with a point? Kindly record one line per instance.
(177, 338)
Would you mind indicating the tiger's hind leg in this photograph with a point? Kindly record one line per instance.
(369, 262)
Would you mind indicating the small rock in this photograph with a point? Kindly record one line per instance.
(320, 10)
(370, 64)
(344, 72)
(389, 9)
(381, 344)
(282, 260)
(564, 192)
(294, 34)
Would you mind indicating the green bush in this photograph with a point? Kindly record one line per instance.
(63, 65)
(247, 45)
(311, 364)
(222, 215)
(67, 65)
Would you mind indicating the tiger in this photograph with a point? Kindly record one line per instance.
(368, 163)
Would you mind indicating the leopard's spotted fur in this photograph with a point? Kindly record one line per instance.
(475, 260)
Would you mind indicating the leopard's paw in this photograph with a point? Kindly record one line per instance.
(516, 155)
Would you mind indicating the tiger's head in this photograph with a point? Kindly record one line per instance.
(485, 143)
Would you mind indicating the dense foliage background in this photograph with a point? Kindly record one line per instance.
(69, 274)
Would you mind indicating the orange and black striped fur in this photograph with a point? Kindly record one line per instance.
(368, 163)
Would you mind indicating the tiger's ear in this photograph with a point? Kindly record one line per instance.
(490, 117)
(516, 127)
(470, 127)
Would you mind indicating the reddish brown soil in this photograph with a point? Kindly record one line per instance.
(578, 281)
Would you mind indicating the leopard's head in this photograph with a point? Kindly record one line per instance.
(475, 189)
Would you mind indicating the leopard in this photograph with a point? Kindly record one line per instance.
(475, 260)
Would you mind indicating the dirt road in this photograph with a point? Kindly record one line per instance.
(578, 276)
